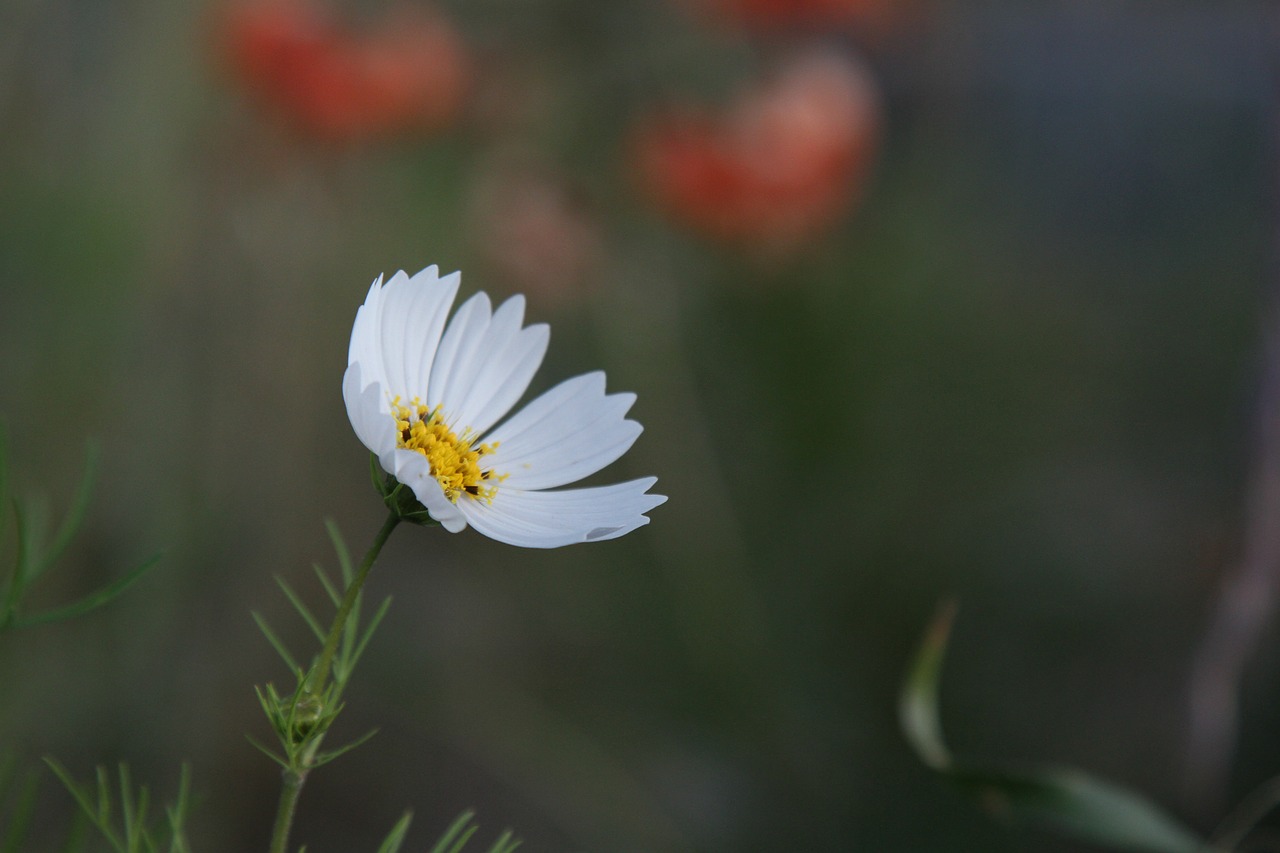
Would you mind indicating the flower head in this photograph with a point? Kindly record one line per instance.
(424, 397)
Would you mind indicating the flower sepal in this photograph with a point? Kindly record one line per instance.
(402, 501)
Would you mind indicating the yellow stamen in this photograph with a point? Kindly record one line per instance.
(454, 462)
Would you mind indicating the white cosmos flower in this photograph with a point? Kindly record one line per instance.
(424, 398)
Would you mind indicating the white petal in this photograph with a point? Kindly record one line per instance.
(413, 469)
(551, 519)
(492, 375)
(413, 312)
(397, 330)
(571, 394)
(390, 329)
(468, 371)
(366, 407)
(424, 323)
(568, 433)
(462, 338)
(506, 376)
(364, 346)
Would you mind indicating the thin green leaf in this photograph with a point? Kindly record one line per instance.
(326, 757)
(177, 813)
(302, 609)
(77, 835)
(458, 827)
(90, 602)
(918, 704)
(396, 837)
(463, 839)
(275, 641)
(20, 817)
(329, 588)
(104, 799)
(368, 633)
(100, 814)
(268, 703)
(140, 817)
(506, 843)
(131, 817)
(340, 548)
(283, 762)
(75, 517)
(1068, 800)
(349, 635)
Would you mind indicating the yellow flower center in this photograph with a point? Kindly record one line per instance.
(455, 463)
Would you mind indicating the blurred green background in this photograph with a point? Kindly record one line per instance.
(1020, 365)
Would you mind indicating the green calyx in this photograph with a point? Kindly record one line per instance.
(399, 498)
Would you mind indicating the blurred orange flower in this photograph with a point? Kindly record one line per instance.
(779, 167)
(408, 73)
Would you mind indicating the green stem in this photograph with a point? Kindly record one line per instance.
(284, 812)
(295, 775)
(348, 602)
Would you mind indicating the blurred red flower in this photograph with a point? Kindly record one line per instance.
(779, 167)
(408, 73)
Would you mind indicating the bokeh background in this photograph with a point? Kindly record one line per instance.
(921, 301)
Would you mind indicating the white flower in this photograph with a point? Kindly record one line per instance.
(424, 399)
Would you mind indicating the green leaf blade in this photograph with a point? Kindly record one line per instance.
(1067, 800)
(90, 602)
(1079, 805)
(918, 704)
